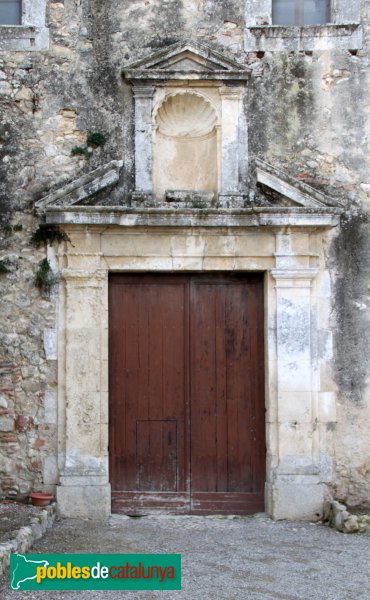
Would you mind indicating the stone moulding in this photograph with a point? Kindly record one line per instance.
(82, 188)
(299, 192)
(17, 32)
(187, 217)
(186, 61)
(308, 31)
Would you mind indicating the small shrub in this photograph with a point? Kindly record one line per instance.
(95, 138)
(80, 151)
(7, 229)
(44, 277)
(46, 234)
(4, 266)
(18, 227)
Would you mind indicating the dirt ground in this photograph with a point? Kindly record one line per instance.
(13, 516)
(250, 558)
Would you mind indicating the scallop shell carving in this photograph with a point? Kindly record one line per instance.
(186, 115)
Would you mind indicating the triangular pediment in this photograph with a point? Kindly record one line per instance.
(178, 61)
(82, 189)
(290, 190)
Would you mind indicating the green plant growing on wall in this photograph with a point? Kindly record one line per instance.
(80, 151)
(47, 234)
(95, 139)
(44, 277)
(7, 228)
(4, 266)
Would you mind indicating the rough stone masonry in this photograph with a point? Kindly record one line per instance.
(305, 112)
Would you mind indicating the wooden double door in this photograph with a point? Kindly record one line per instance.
(186, 381)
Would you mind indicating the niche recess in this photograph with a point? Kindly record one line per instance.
(185, 145)
(190, 128)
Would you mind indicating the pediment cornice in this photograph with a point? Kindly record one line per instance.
(186, 60)
(299, 193)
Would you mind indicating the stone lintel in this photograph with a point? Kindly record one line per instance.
(167, 217)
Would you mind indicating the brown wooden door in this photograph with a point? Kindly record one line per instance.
(186, 393)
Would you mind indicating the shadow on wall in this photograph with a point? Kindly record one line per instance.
(351, 253)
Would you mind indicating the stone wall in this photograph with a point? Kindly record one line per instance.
(307, 113)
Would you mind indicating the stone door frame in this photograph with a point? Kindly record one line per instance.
(298, 403)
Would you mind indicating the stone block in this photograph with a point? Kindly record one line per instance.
(3, 402)
(295, 406)
(50, 344)
(327, 407)
(50, 471)
(295, 444)
(93, 502)
(261, 244)
(188, 245)
(6, 424)
(295, 498)
(294, 375)
(50, 406)
(190, 197)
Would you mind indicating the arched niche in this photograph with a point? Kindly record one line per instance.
(185, 145)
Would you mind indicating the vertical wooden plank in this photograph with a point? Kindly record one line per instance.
(221, 390)
(203, 387)
(238, 361)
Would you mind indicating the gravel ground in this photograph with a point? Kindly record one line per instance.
(240, 558)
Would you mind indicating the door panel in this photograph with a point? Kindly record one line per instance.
(186, 393)
(156, 456)
(148, 370)
(227, 422)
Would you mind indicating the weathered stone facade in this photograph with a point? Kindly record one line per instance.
(291, 193)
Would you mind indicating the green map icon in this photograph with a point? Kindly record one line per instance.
(23, 570)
